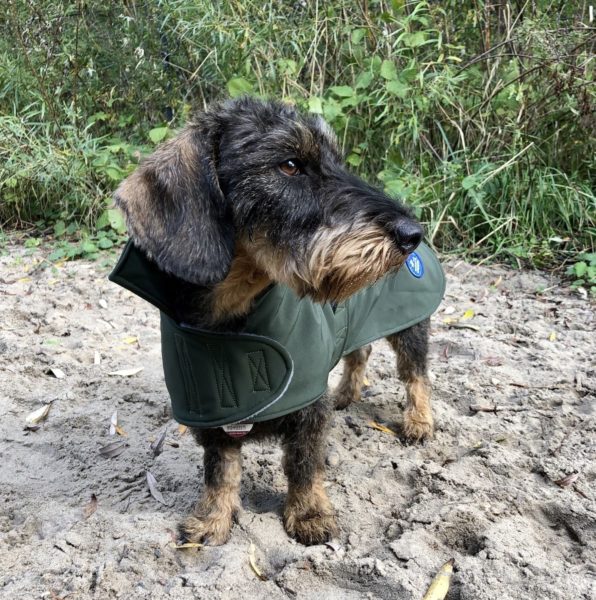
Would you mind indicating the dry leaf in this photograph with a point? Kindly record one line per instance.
(567, 481)
(182, 429)
(184, 545)
(440, 584)
(335, 546)
(120, 431)
(126, 372)
(382, 428)
(449, 320)
(90, 507)
(253, 562)
(493, 361)
(56, 372)
(152, 483)
(497, 282)
(157, 445)
(37, 416)
(114, 423)
(452, 321)
(446, 351)
(114, 449)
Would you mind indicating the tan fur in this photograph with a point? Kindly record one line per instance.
(214, 513)
(233, 297)
(278, 264)
(344, 260)
(137, 193)
(341, 262)
(177, 160)
(418, 417)
(352, 380)
(308, 514)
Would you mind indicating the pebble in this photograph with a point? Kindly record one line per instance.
(380, 568)
(403, 549)
(332, 459)
(432, 468)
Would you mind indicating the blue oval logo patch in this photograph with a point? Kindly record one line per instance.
(415, 265)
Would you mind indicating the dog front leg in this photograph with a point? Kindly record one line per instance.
(350, 387)
(213, 515)
(411, 349)
(308, 514)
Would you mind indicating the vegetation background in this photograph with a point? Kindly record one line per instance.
(478, 113)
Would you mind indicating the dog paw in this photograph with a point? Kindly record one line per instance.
(309, 516)
(310, 528)
(343, 397)
(211, 530)
(418, 426)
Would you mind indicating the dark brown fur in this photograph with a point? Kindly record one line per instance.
(217, 208)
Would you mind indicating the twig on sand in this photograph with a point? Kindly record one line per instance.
(496, 408)
(463, 326)
(552, 386)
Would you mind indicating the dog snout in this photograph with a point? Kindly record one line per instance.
(408, 235)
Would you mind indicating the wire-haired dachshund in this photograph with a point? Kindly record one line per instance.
(252, 194)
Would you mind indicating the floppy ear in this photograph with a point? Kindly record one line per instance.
(176, 212)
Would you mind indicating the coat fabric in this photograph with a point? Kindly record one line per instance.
(280, 362)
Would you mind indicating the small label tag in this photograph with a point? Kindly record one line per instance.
(237, 430)
(415, 265)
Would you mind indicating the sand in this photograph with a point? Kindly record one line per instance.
(76, 524)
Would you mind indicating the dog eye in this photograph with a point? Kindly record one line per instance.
(291, 167)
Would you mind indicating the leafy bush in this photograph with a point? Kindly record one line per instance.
(583, 272)
(480, 115)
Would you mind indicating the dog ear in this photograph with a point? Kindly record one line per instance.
(176, 211)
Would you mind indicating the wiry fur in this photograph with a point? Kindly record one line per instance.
(214, 207)
(352, 380)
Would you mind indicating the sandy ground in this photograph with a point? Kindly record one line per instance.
(76, 524)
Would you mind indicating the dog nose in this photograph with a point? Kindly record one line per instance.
(408, 235)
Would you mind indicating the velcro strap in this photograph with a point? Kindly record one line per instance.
(219, 378)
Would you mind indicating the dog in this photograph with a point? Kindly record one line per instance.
(250, 195)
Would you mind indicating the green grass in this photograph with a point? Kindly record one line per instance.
(480, 120)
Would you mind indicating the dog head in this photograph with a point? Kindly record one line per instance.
(261, 176)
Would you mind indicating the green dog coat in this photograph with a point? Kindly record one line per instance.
(281, 360)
